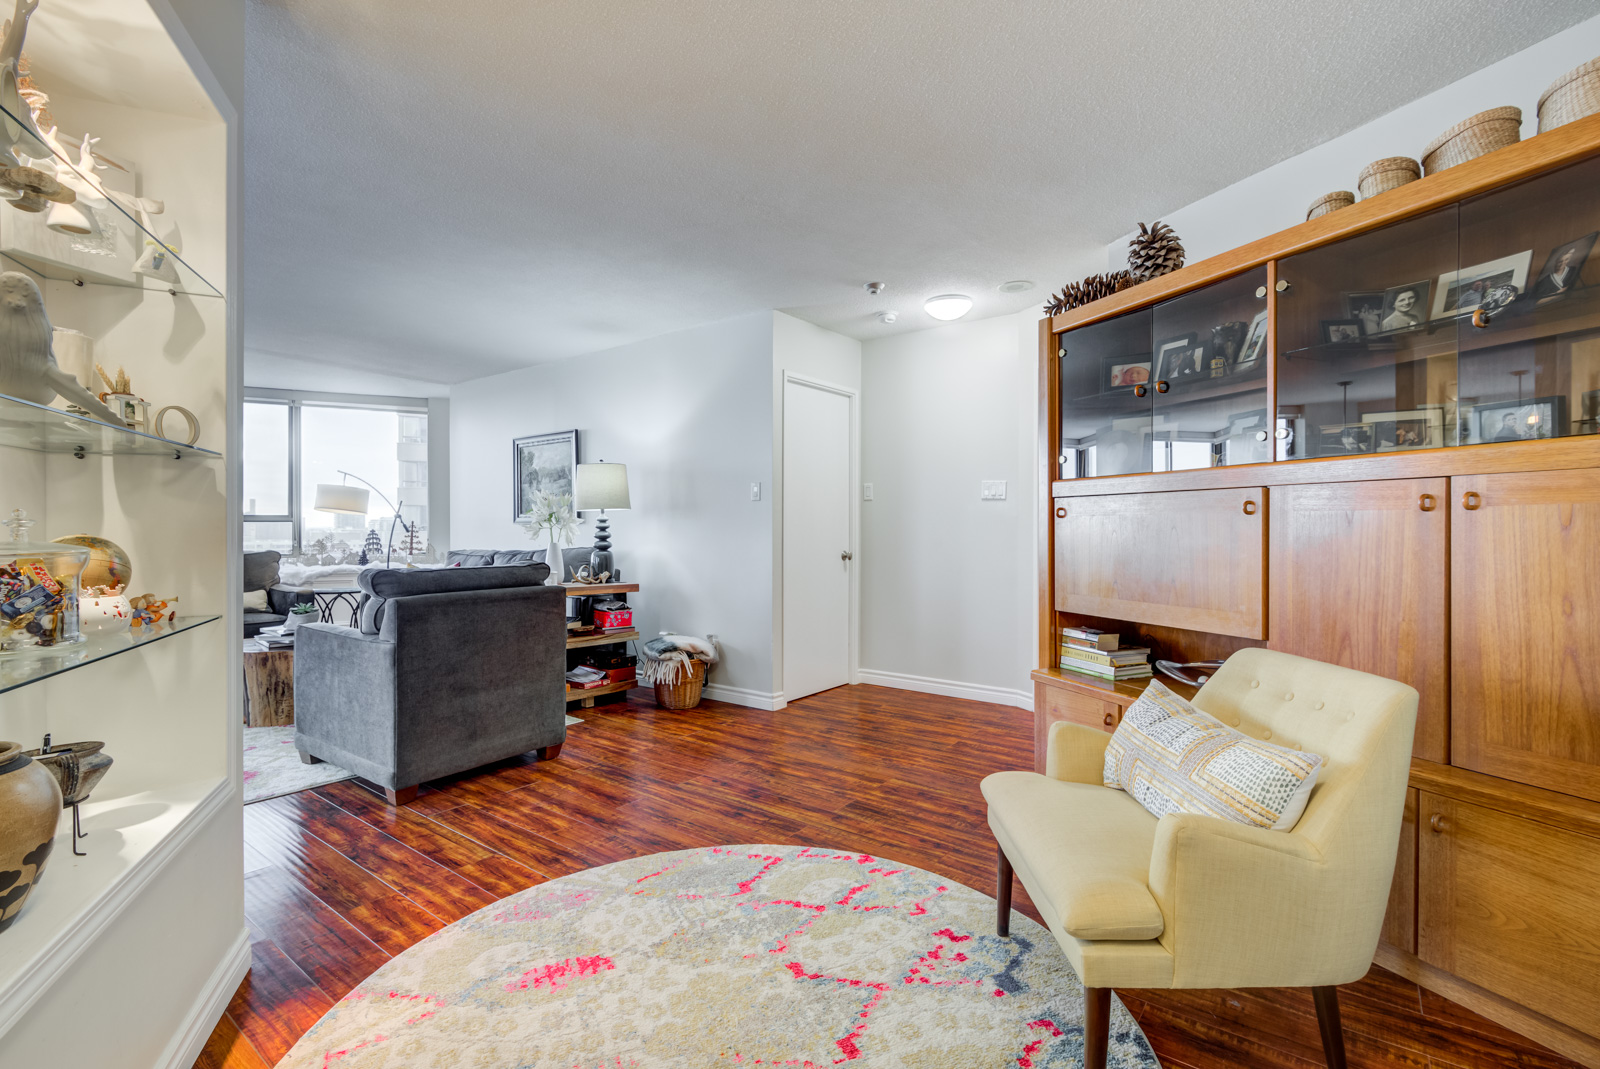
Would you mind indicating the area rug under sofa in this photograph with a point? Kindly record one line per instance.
(729, 955)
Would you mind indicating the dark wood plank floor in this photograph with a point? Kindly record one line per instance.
(336, 882)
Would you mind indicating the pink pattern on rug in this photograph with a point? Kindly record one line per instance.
(1025, 1059)
(556, 974)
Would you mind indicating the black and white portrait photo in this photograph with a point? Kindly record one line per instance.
(1404, 307)
(1365, 308)
(1520, 421)
(1561, 270)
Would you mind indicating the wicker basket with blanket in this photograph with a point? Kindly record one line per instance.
(676, 666)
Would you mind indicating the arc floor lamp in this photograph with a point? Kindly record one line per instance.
(352, 501)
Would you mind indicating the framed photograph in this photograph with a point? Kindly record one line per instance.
(1123, 372)
(1255, 345)
(541, 463)
(1421, 428)
(1519, 421)
(1179, 358)
(1404, 307)
(1460, 292)
(1559, 275)
(1342, 332)
(1344, 439)
(1367, 309)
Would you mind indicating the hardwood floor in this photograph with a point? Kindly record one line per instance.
(337, 882)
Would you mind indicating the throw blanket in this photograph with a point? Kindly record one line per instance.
(666, 658)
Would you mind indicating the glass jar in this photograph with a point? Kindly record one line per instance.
(38, 591)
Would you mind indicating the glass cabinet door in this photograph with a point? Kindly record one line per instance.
(1525, 304)
(1209, 366)
(1105, 397)
(1364, 364)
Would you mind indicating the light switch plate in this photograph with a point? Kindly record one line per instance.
(755, 491)
(994, 490)
(866, 491)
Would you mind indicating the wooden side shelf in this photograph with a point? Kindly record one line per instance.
(602, 638)
(591, 590)
(587, 697)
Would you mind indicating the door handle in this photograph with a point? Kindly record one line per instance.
(1439, 823)
(1162, 387)
(1471, 501)
(1061, 512)
(1111, 720)
(1249, 508)
(846, 555)
(1140, 390)
(1480, 318)
(1427, 503)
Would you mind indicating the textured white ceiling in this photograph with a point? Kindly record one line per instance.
(445, 191)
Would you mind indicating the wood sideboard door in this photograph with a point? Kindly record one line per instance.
(1525, 627)
(1358, 576)
(1194, 559)
(1508, 904)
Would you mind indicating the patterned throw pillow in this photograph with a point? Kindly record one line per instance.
(1173, 758)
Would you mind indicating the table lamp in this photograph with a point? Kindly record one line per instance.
(600, 486)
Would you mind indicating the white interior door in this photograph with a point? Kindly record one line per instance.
(817, 552)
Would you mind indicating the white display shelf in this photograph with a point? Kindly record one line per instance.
(43, 429)
(130, 839)
(19, 671)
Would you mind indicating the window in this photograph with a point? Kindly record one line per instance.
(294, 442)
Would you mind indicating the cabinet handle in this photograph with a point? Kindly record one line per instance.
(1471, 501)
(1162, 387)
(1061, 352)
(1140, 390)
(1261, 436)
(1283, 285)
(1249, 508)
(1428, 503)
(1480, 318)
(1261, 291)
(1438, 823)
(1061, 513)
(1111, 720)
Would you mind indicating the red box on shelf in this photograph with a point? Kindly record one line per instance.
(621, 675)
(611, 619)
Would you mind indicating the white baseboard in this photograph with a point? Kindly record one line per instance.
(753, 699)
(225, 979)
(948, 688)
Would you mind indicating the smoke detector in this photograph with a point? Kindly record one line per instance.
(1017, 285)
(875, 288)
(888, 317)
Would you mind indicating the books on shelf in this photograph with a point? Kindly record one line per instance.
(585, 677)
(1117, 658)
(1105, 671)
(1089, 638)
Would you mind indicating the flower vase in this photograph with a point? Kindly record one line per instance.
(552, 557)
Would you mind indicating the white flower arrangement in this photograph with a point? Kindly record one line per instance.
(552, 514)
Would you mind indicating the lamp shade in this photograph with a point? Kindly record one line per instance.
(600, 486)
(335, 497)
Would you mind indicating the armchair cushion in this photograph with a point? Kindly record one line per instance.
(1173, 758)
(1083, 852)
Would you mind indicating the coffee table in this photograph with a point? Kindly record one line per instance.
(268, 685)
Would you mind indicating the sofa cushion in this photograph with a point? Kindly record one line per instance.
(261, 569)
(381, 584)
(1084, 852)
(1173, 758)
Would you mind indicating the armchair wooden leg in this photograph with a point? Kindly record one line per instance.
(403, 796)
(1327, 1000)
(1002, 893)
(548, 753)
(1096, 1026)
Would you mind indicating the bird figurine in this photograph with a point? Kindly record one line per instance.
(28, 368)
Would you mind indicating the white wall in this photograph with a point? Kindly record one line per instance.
(691, 415)
(1277, 198)
(947, 580)
(809, 351)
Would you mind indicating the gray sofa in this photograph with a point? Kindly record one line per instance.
(261, 573)
(573, 558)
(449, 669)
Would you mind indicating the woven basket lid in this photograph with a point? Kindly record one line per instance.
(1492, 115)
(1581, 71)
(1390, 163)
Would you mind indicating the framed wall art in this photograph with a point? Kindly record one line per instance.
(1481, 285)
(541, 463)
(1562, 268)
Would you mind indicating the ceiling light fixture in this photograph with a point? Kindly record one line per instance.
(1018, 285)
(948, 306)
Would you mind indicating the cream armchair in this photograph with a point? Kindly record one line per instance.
(1198, 902)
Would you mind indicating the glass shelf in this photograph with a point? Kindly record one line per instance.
(20, 670)
(43, 429)
(113, 250)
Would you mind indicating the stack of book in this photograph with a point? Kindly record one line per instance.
(1099, 653)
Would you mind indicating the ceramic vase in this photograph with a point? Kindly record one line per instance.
(30, 807)
(104, 615)
(552, 557)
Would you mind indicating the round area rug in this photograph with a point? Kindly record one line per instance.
(728, 955)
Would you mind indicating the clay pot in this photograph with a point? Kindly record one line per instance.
(30, 806)
(77, 768)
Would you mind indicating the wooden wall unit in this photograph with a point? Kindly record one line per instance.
(1439, 552)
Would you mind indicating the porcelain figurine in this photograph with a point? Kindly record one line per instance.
(159, 259)
(17, 129)
(27, 366)
(30, 808)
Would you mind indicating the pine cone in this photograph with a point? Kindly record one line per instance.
(1074, 294)
(1153, 252)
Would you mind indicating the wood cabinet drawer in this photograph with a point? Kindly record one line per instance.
(1508, 904)
(1194, 559)
(1051, 704)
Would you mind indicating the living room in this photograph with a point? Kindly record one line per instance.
(799, 536)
